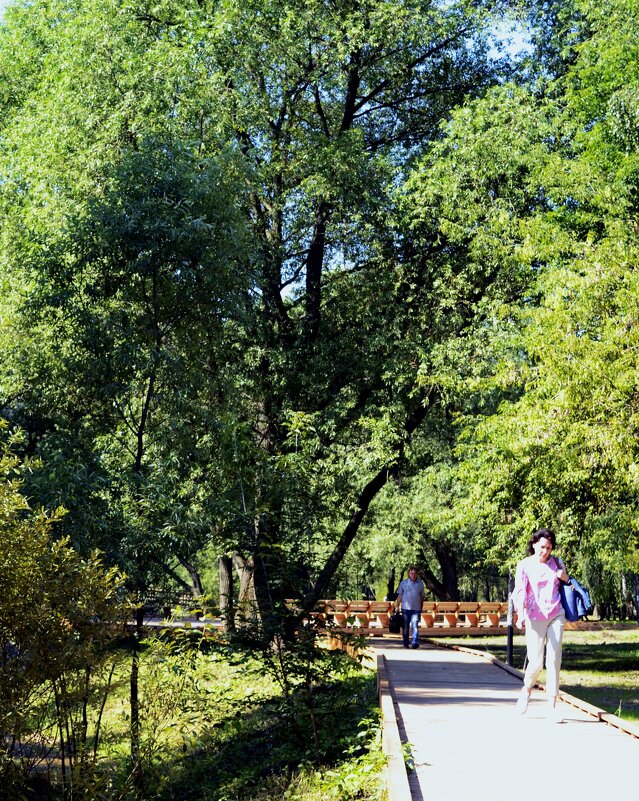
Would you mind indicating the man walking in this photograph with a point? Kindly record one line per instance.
(410, 596)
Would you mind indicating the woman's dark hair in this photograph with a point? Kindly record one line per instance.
(538, 535)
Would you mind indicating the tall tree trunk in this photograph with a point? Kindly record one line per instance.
(446, 589)
(196, 582)
(314, 267)
(447, 559)
(267, 577)
(134, 697)
(391, 594)
(431, 582)
(227, 611)
(244, 568)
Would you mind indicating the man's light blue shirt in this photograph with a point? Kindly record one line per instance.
(412, 593)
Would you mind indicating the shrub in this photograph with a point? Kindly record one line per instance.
(58, 615)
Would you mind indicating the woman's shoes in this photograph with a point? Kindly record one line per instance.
(522, 701)
(553, 713)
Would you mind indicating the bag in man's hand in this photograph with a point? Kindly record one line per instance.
(395, 623)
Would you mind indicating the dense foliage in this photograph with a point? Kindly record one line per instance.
(58, 615)
(208, 336)
(260, 261)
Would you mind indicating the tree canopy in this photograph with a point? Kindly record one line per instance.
(280, 277)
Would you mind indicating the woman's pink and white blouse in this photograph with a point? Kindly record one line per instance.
(536, 593)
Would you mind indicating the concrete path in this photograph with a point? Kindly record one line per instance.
(458, 713)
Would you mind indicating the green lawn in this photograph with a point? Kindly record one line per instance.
(601, 667)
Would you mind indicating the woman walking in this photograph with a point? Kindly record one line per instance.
(539, 610)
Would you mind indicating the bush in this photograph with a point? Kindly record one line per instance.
(58, 615)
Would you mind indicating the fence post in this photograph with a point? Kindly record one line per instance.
(509, 632)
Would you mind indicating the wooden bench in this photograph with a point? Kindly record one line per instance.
(438, 618)
(468, 613)
(335, 612)
(359, 612)
(429, 611)
(490, 613)
(380, 612)
(448, 611)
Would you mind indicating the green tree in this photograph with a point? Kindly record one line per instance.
(58, 614)
(460, 221)
(550, 187)
(198, 247)
(120, 292)
(328, 108)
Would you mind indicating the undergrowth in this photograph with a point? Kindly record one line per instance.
(219, 728)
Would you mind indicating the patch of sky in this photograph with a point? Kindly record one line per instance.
(510, 38)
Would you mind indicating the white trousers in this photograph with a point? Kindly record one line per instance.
(549, 633)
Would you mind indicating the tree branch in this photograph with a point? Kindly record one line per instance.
(175, 576)
(433, 584)
(314, 266)
(412, 65)
(320, 112)
(352, 89)
(366, 497)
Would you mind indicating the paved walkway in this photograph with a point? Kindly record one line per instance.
(458, 713)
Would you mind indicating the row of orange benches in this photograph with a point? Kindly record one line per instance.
(439, 615)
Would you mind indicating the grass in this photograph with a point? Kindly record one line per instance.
(600, 667)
